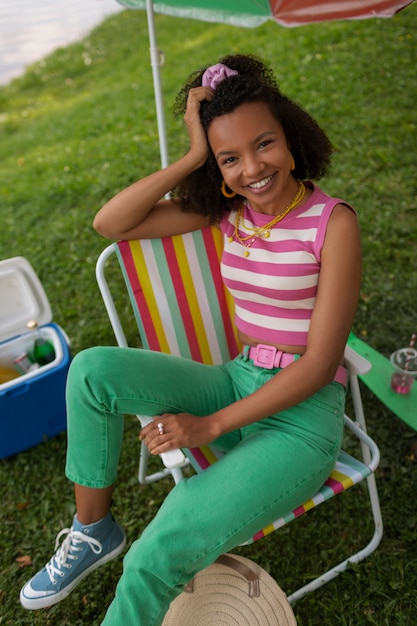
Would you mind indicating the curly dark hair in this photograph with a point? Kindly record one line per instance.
(255, 82)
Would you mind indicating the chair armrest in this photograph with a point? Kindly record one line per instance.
(355, 363)
(173, 458)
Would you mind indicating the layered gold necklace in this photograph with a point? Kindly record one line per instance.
(263, 231)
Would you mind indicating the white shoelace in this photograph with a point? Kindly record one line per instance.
(70, 545)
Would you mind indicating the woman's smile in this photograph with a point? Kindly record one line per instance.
(261, 184)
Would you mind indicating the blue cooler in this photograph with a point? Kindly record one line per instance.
(32, 406)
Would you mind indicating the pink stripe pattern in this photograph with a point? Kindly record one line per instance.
(274, 288)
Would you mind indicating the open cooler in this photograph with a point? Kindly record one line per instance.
(32, 405)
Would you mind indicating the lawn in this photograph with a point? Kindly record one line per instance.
(79, 126)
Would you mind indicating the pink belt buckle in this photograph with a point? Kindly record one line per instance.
(266, 356)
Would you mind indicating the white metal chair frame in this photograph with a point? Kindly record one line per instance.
(174, 462)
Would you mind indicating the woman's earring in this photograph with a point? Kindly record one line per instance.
(292, 163)
(227, 194)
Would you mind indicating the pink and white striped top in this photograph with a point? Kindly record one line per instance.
(275, 287)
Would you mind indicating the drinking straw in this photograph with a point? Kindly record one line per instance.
(410, 351)
(410, 354)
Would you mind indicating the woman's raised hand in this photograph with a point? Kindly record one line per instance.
(198, 139)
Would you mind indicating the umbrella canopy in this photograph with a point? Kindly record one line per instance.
(250, 13)
(286, 12)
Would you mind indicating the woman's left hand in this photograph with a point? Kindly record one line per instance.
(180, 430)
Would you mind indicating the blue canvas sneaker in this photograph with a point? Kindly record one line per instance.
(83, 549)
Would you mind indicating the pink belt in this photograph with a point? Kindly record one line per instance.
(269, 357)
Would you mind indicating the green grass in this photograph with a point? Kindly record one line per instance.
(78, 127)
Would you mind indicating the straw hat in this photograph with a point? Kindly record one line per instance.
(233, 591)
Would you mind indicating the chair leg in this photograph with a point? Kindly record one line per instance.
(354, 558)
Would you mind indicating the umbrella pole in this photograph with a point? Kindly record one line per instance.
(156, 62)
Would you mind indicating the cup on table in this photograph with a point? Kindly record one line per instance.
(405, 366)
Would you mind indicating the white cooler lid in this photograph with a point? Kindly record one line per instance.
(22, 298)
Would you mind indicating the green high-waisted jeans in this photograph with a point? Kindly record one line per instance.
(272, 466)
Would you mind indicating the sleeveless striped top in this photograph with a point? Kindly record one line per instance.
(275, 287)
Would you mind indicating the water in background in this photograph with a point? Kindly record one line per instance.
(31, 29)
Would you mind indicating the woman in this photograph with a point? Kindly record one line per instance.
(292, 262)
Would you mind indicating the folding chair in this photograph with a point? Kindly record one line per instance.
(181, 307)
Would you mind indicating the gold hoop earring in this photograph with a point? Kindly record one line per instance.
(292, 163)
(227, 194)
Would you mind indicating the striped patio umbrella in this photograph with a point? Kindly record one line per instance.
(286, 12)
(251, 13)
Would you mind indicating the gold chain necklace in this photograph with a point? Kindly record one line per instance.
(263, 231)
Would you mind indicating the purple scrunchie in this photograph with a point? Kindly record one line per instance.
(216, 74)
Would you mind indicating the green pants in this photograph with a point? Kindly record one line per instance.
(272, 466)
